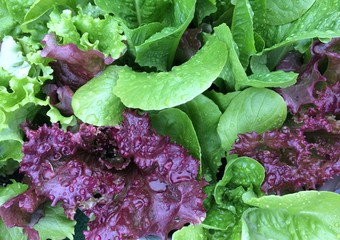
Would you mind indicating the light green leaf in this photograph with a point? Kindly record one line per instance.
(55, 225)
(95, 102)
(156, 91)
(276, 79)
(177, 125)
(242, 30)
(203, 9)
(205, 116)
(135, 13)
(14, 233)
(220, 99)
(242, 171)
(190, 232)
(303, 215)
(159, 50)
(282, 12)
(11, 190)
(254, 109)
(233, 71)
(7, 21)
(320, 20)
(11, 58)
(18, 8)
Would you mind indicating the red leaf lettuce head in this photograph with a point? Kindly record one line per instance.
(307, 153)
(132, 180)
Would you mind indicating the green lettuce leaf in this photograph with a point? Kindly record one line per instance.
(156, 91)
(177, 125)
(242, 31)
(153, 28)
(11, 190)
(272, 79)
(102, 33)
(302, 215)
(95, 102)
(8, 23)
(14, 233)
(205, 116)
(282, 22)
(254, 109)
(190, 232)
(233, 71)
(55, 225)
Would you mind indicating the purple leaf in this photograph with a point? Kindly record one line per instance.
(134, 181)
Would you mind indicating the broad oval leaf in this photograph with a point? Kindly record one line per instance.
(254, 109)
(156, 91)
(95, 102)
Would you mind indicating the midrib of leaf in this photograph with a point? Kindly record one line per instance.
(139, 17)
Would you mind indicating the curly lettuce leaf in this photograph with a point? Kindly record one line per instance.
(156, 91)
(305, 215)
(88, 32)
(124, 176)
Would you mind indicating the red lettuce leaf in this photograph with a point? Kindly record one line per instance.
(307, 153)
(23, 211)
(134, 181)
(72, 69)
(303, 92)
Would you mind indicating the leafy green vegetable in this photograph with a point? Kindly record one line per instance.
(233, 72)
(176, 124)
(95, 102)
(220, 99)
(279, 27)
(11, 190)
(205, 115)
(254, 109)
(242, 30)
(302, 215)
(272, 79)
(14, 233)
(190, 232)
(155, 91)
(55, 225)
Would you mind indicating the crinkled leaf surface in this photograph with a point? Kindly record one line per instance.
(155, 91)
(190, 232)
(95, 102)
(254, 109)
(302, 215)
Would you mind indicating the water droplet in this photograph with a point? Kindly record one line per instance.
(71, 189)
(52, 197)
(177, 219)
(158, 186)
(82, 191)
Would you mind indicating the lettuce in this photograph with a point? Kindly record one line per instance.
(124, 176)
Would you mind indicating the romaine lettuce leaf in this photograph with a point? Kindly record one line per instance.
(303, 215)
(155, 91)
